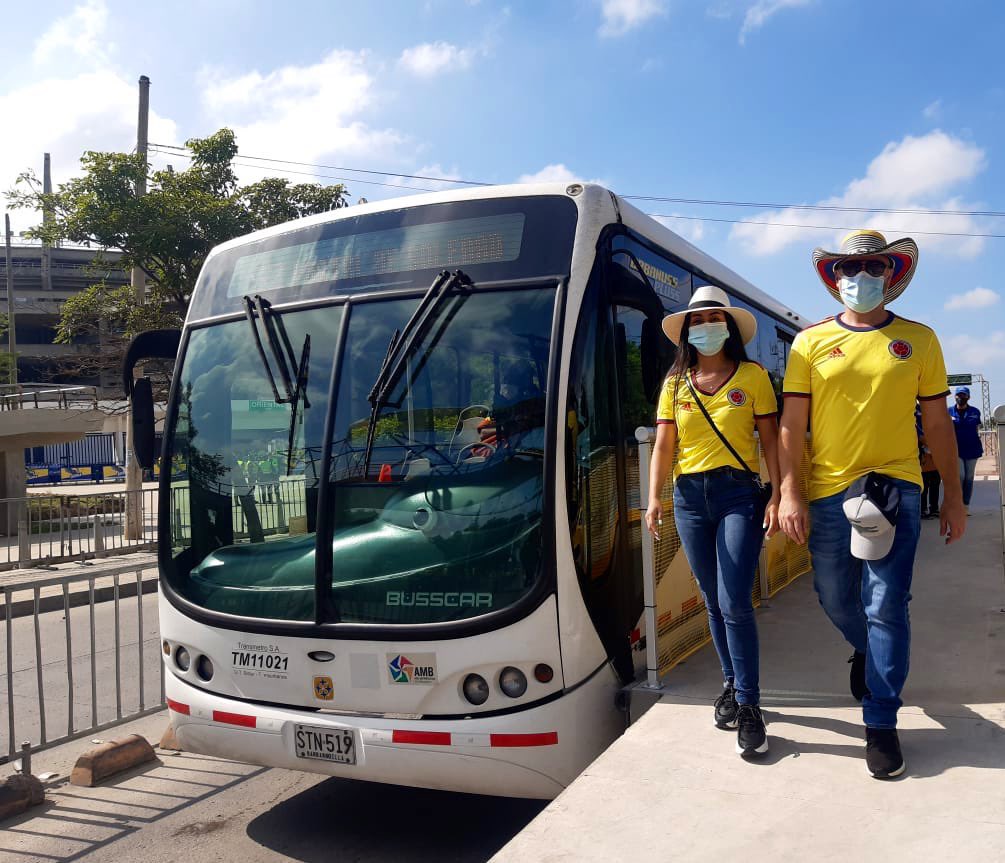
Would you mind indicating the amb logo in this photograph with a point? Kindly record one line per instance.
(736, 397)
(324, 688)
(420, 668)
(900, 349)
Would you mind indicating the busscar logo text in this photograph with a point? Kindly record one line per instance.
(439, 599)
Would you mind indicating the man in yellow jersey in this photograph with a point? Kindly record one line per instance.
(855, 379)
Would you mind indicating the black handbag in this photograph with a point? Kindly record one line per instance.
(764, 487)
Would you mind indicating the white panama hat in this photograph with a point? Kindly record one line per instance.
(710, 297)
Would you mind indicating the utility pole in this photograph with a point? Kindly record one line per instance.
(11, 335)
(134, 473)
(46, 220)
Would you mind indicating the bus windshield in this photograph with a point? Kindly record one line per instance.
(434, 492)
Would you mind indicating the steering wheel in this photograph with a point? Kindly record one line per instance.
(491, 447)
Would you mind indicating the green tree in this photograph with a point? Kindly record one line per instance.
(167, 233)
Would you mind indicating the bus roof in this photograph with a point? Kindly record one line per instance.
(630, 216)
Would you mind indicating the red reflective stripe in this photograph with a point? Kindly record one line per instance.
(234, 718)
(545, 738)
(434, 738)
(178, 707)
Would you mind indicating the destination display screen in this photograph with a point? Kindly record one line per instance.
(429, 246)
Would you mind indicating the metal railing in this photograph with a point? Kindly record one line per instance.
(49, 528)
(33, 716)
(989, 441)
(18, 396)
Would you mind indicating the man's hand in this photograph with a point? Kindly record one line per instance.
(794, 517)
(952, 520)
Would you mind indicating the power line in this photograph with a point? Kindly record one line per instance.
(349, 170)
(655, 198)
(170, 149)
(238, 161)
(904, 231)
(824, 207)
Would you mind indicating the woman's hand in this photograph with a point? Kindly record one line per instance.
(794, 517)
(654, 516)
(771, 522)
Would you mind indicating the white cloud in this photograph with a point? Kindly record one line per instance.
(689, 229)
(620, 16)
(978, 298)
(556, 173)
(302, 113)
(761, 11)
(967, 353)
(914, 173)
(933, 110)
(432, 58)
(81, 32)
(97, 111)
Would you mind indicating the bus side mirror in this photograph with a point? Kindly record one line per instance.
(143, 423)
(153, 344)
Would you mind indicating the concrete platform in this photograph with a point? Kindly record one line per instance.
(672, 788)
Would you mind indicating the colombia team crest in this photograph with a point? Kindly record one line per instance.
(901, 349)
(737, 397)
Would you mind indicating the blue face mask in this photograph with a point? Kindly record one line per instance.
(708, 339)
(861, 292)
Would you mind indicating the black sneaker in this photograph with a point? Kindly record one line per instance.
(751, 738)
(856, 678)
(726, 707)
(882, 753)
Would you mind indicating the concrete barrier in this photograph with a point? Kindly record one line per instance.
(110, 758)
(19, 793)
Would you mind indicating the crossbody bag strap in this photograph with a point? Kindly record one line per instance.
(715, 428)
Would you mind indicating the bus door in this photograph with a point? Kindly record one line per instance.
(641, 358)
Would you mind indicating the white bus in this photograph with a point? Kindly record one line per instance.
(399, 537)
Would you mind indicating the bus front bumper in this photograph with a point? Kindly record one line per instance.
(531, 753)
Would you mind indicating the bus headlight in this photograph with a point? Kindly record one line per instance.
(182, 659)
(476, 690)
(204, 668)
(512, 681)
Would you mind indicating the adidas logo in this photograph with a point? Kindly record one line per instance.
(837, 353)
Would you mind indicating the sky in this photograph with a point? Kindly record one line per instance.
(893, 105)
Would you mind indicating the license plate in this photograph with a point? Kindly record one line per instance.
(325, 744)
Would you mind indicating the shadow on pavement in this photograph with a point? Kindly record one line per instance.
(75, 823)
(370, 821)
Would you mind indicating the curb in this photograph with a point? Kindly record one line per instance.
(127, 590)
(110, 758)
(19, 793)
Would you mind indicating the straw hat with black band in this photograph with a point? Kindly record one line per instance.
(703, 299)
(903, 254)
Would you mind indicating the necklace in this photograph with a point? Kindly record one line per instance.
(711, 382)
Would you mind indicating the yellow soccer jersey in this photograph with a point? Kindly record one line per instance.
(747, 394)
(863, 383)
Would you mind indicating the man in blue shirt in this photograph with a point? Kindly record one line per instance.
(966, 424)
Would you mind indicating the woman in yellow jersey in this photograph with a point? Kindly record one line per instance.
(712, 400)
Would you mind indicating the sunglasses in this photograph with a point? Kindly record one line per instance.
(873, 266)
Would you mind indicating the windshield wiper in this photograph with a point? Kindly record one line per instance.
(264, 311)
(402, 345)
(300, 390)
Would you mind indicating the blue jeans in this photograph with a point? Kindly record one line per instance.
(719, 515)
(867, 599)
(968, 467)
